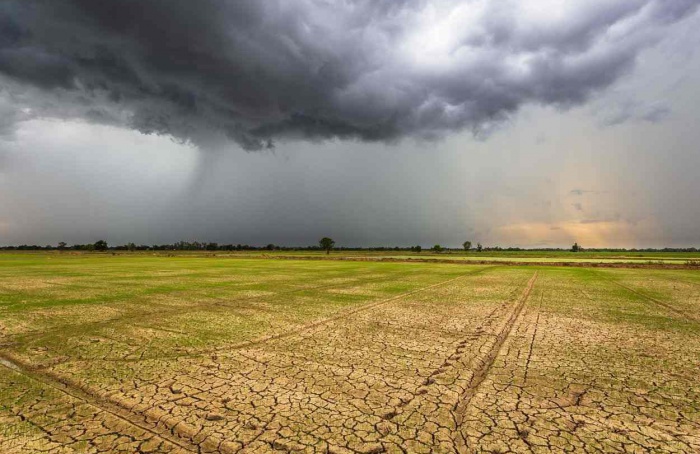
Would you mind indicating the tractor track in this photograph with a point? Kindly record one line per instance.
(485, 365)
(62, 386)
(345, 314)
(656, 301)
(451, 361)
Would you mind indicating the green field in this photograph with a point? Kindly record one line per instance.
(518, 256)
(526, 257)
(675, 258)
(235, 352)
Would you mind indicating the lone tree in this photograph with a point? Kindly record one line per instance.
(437, 248)
(326, 244)
(479, 247)
(62, 245)
(416, 249)
(100, 245)
(467, 245)
(576, 248)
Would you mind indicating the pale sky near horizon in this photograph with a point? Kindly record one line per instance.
(517, 123)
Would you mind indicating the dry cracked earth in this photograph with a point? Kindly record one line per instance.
(455, 359)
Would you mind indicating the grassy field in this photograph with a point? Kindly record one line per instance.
(530, 257)
(525, 257)
(504, 256)
(199, 353)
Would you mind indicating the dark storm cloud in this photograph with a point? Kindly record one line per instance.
(373, 70)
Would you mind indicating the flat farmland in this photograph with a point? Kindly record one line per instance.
(155, 354)
(641, 259)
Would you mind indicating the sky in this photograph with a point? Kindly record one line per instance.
(530, 123)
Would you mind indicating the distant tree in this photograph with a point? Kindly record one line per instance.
(62, 245)
(326, 244)
(270, 247)
(467, 245)
(437, 248)
(212, 246)
(100, 245)
(131, 247)
(576, 248)
(417, 249)
(479, 247)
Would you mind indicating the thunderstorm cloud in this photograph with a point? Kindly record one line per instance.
(388, 122)
(372, 70)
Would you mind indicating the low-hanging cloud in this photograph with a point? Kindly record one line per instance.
(256, 71)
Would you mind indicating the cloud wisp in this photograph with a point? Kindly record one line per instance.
(374, 70)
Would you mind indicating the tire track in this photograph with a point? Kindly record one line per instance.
(657, 302)
(152, 420)
(46, 379)
(534, 337)
(347, 313)
(451, 361)
(485, 364)
(682, 281)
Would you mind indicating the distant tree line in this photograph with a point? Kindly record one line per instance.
(326, 244)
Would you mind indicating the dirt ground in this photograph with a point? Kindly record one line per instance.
(397, 358)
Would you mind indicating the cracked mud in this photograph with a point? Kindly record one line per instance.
(347, 358)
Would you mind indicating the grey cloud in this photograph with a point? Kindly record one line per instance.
(634, 111)
(614, 218)
(256, 71)
(656, 114)
(577, 192)
(580, 192)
